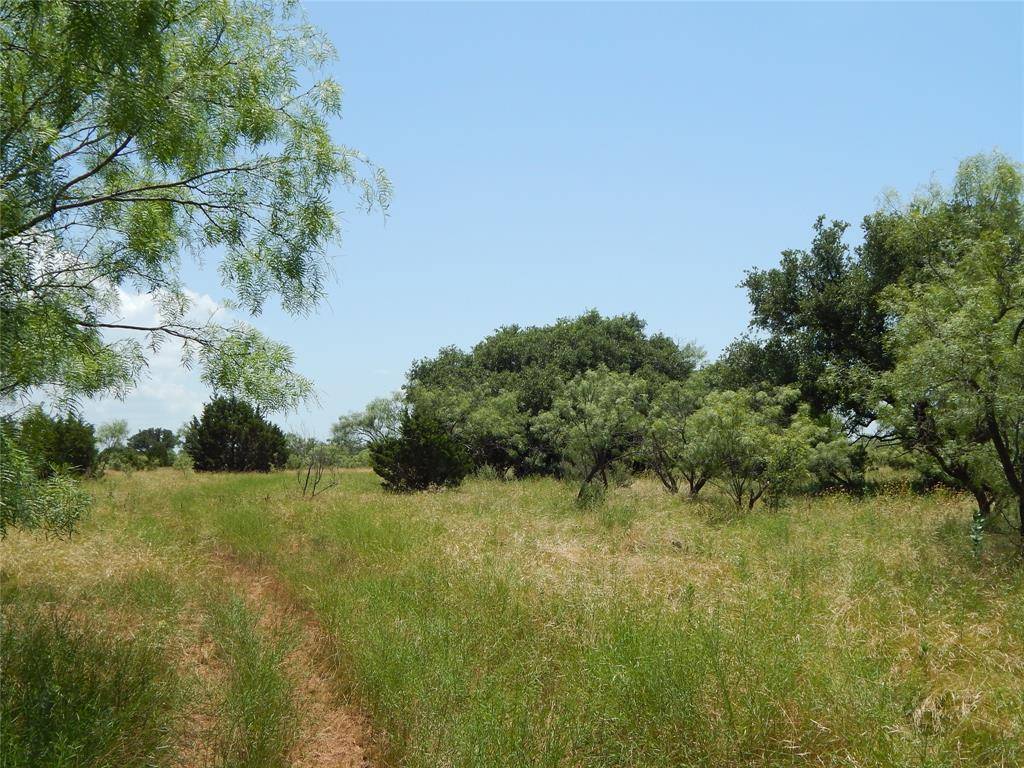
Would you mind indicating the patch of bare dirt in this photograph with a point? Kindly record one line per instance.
(333, 734)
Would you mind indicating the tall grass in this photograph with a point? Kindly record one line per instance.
(258, 722)
(71, 696)
(502, 625)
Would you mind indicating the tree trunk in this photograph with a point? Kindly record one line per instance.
(1020, 511)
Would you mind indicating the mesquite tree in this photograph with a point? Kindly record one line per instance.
(957, 389)
(671, 447)
(132, 134)
(597, 423)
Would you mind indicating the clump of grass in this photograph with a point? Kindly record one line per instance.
(71, 696)
(258, 719)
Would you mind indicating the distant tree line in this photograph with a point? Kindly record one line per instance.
(906, 350)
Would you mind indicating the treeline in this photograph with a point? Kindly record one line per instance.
(41, 454)
(906, 349)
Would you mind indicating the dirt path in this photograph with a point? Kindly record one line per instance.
(333, 734)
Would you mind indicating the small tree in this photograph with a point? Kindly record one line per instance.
(114, 453)
(597, 424)
(379, 419)
(112, 434)
(671, 448)
(423, 455)
(956, 391)
(232, 437)
(760, 453)
(318, 471)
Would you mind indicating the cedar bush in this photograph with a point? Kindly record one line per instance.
(231, 436)
(423, 455)
(53, 444)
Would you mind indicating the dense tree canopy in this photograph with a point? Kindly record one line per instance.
(491, 394)
(156, 444)
(818, 319)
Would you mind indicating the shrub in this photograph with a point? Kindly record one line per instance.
(52, 444)
(232, 437)
(72, 696)
(351, 460)
(54, 503)
(183, 462)
(122, 459)
(423, 455)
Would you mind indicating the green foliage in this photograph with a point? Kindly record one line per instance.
(379, 419)
(838, 463)
(329, 453)
(492, 426)
(53, 502)
(155, 444)
(490, 395)
(819, 318)
(194, 127)
(956, 392)
(231, 436)
(75, 696)
(299, 448)
(820, 307)
(112, 434)
(122, 459)
(671, 448)
(597, 424)
(759, 450)
(64, 443)
(184, 462)
(423, 455)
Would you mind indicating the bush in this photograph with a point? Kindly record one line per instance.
(54, 503)
(52, 444)
(122, 459)
(184, 463)
(72, 696)
(423, 455)
(352, 460)
(231, 437)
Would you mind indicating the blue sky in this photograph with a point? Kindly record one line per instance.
(550, 158)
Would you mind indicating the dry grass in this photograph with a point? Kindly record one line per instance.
(499, 625)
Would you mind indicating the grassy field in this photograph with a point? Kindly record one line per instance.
(223, 620)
